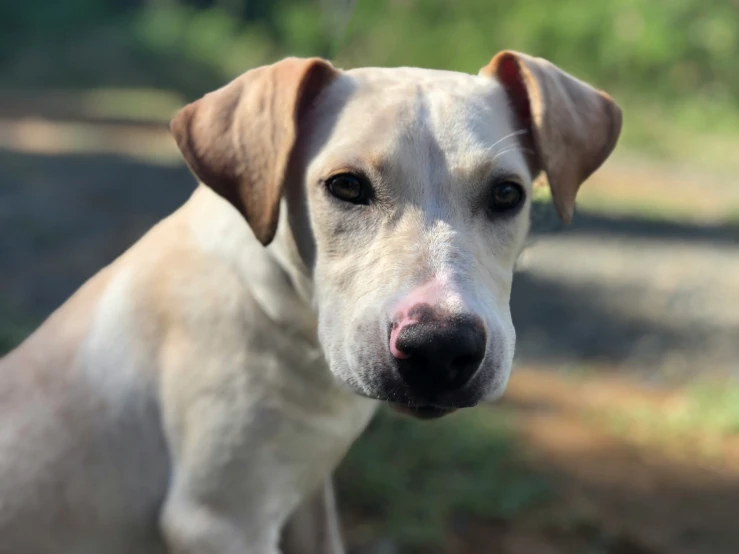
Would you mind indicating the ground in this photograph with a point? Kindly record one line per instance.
(604, 443)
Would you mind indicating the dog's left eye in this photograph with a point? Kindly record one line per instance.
(349, 188)
(506, 197)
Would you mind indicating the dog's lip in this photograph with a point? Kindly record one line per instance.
(423, 412)
(418, 406)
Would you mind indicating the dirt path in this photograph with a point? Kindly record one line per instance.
(660, 303)
(679, 496)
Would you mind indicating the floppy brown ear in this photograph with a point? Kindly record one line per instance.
(238, 139)
(574, 127)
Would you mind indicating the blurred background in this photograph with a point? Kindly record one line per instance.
(619, 433)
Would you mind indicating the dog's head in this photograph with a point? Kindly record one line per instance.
(414, 187)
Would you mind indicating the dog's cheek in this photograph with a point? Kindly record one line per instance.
(328, 330)
(502, 345)
(338, 342)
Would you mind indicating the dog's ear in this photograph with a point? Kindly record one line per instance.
(238, 139)
(574, 127)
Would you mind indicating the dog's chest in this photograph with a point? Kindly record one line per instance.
(301, 442)
(318, 422)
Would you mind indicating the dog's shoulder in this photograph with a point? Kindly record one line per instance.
(172, 274)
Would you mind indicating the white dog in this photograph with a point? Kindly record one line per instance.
(353, 240)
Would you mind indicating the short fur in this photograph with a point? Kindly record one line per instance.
(194, 396)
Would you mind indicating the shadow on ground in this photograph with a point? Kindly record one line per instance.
(64, 217)
(630, 227)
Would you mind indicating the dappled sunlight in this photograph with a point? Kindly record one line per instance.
(105, 104)
(663, 420)
(126, 122)
(40, 136)
(596, 462)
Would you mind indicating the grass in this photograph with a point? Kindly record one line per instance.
(706, 407)
(712, 406)
(700, 418)
(413, 479)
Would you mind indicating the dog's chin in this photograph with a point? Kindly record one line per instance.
(418, 411)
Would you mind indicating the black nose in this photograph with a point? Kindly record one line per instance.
(442, 355)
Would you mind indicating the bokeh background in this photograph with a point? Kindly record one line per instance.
(619, 433)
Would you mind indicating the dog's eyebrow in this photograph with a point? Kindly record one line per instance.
(374, 165)
(491, 167)
(380, 164)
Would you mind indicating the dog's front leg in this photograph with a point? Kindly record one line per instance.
(229, 489)
(314, 526)
(190, 526)
(249, 442)
(212, 507)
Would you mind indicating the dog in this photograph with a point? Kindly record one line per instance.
(352, 240)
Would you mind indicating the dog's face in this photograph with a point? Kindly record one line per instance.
(418, 186)
(419, 198)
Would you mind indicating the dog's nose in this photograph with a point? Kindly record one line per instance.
(436, 355)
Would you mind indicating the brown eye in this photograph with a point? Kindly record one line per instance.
(349, 188)
(506, 197)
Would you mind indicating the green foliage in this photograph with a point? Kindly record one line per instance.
(47, 20)
(664, 49)
(414, 477)
(670, 64)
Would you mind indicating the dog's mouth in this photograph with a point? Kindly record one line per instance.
(422, 412)
(418, 411)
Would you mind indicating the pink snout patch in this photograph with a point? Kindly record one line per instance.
(416, 307)
(395, 331)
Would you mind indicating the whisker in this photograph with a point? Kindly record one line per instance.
(513, 149)
(509, 135)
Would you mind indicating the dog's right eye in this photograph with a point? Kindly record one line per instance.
(349, 188)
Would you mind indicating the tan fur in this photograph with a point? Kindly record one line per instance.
(239, 138)
(195, 395)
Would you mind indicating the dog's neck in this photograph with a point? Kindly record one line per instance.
(278, 275)
(293, 248)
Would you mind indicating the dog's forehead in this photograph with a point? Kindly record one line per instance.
(388, 77)
(371, 111)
